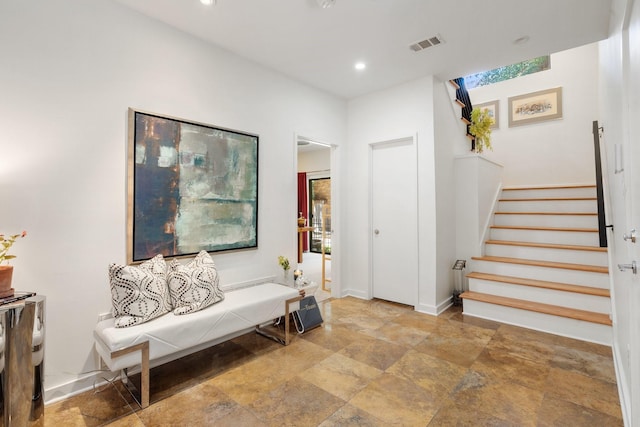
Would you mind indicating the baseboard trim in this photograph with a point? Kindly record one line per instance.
(435, 310)
(354, 293)
(77, 386)
(623, 391)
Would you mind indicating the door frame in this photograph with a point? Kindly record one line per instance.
(414, 143)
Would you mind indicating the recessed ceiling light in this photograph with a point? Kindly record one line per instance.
(207, 2)
(360, 66)
(325, 4)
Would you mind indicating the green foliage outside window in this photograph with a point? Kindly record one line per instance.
(508, 72)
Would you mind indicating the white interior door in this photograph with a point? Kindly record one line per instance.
(634, 285)
(394, 221)
(632, 166)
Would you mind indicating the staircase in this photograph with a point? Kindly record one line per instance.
(543, 267)
(461, 99)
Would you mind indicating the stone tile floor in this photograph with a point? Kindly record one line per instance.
(372, 363)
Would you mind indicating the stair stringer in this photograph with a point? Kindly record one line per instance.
(490, 218)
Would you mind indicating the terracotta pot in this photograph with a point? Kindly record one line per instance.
(6, 272)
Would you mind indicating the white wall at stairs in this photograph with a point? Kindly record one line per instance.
(553, 152)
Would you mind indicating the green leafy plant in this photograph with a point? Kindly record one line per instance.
(283, 261)
(6, 243)
(480, 128)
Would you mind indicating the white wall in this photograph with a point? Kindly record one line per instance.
(403, 111)
(450, 141)
(70, 70)
(552, 152)
(478, 182)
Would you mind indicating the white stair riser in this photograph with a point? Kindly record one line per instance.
(548, 206)
(544, 236)
(575, 300)
(548, 254)
(556, 193)
(575, 221)
(574, 277)
(571, 328)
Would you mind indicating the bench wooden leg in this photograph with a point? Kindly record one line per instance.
(276, 335)
(144, 371)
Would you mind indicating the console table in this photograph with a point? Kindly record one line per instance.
(301, 231)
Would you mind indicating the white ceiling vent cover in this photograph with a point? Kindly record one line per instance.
(423, 44)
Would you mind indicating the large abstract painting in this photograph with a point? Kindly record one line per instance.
(191, 187)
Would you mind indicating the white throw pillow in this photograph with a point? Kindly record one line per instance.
(139, 293)
(194, 286)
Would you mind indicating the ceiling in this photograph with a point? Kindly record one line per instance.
(306, 145)
(320, 46)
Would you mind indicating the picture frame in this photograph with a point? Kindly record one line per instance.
(535, 107)
(190, 187)
(494, 111)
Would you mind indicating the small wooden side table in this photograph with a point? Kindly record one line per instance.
(301, 230)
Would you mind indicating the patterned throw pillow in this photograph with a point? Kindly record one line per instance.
(194, 286)
(139, 293)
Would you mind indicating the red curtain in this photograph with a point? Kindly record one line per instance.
(303, 205)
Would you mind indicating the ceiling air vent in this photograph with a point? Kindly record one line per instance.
(422, 45)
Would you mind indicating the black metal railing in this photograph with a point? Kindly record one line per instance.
(602, 221)
(462, 95)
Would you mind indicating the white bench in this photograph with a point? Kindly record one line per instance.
(169, 337)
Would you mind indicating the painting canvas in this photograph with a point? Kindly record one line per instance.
(535, 107)
(494, 112)
(192, 187)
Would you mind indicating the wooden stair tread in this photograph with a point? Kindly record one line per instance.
(550, 264)
(549, 187)
(547, 213)
(571, 313)
(520, 227)
(454, 84)
(566, 287)
(465, 121)
(549, 199)
(460, 103)
(547, 245)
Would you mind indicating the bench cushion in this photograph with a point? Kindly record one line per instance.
(241, 309)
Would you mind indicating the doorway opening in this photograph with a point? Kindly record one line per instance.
(314, 204)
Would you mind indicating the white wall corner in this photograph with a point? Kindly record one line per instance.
(434, 310)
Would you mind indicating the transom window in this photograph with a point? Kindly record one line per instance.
(496, 75)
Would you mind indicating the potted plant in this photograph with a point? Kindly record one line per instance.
(480, 128)
(6, 271)
(283, 262)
